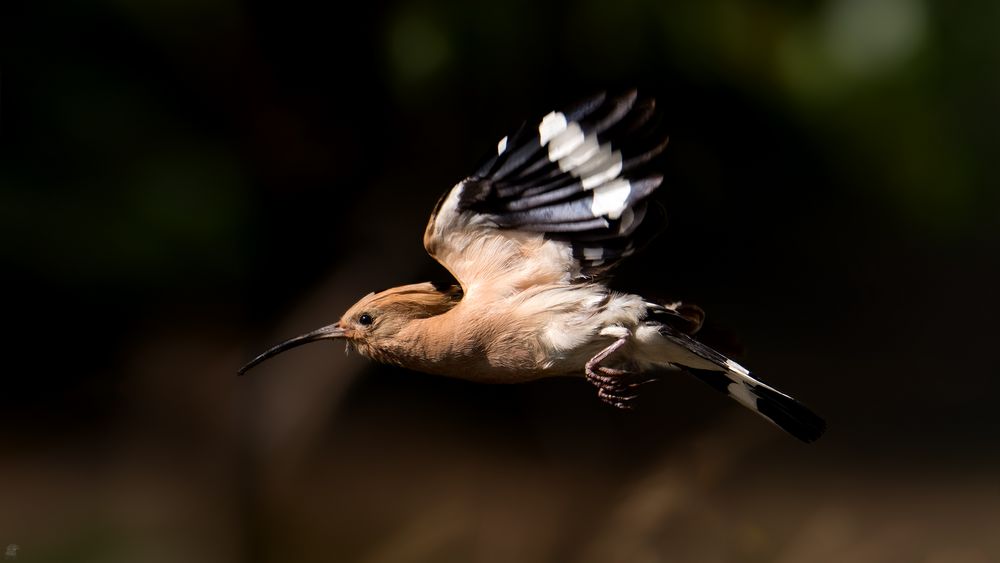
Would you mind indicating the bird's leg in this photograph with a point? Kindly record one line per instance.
(613, 385)
(594, 363)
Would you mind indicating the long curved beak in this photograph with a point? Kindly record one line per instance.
(327, 332)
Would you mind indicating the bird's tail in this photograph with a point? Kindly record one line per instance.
(785, 412)
(727, 376)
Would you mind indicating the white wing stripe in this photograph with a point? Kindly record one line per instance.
(565, 142)
(552, 124)
(609, 173)
(598, 162)
(580, 155)
(611, 199)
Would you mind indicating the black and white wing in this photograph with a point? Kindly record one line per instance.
(564, 199)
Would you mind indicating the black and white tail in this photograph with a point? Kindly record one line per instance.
(727, 376)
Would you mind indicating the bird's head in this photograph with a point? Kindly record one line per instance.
(371, 325)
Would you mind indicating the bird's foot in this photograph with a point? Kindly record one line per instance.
(614, 385)
(617, 387)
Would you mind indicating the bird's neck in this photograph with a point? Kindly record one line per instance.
(475, 347)
(433, 345)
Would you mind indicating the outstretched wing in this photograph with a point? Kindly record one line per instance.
(563, 200)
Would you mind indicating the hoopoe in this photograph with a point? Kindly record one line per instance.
(530, 238)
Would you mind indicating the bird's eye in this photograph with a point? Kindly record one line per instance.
(365, 319)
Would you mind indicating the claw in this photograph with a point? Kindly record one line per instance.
(601, 379)
(606, 395)
(613, 372)
(613, 384)
(617, 401)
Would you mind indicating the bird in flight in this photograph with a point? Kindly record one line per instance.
(531, 238)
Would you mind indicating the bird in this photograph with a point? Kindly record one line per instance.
(531, 238)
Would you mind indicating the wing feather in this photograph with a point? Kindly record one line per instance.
(565, 200)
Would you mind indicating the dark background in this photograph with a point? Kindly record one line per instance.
(185, 183)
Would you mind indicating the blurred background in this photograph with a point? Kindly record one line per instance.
(183, 184)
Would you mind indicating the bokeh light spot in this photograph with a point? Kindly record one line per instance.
(868, 36)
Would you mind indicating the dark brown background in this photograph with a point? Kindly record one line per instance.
(186, 183)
